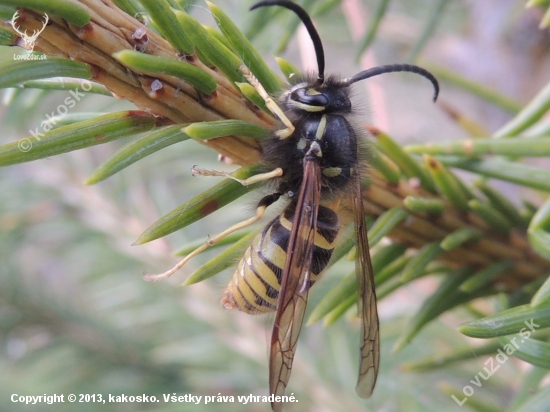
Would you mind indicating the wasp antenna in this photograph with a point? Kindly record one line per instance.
(390, 68)
(302, 14)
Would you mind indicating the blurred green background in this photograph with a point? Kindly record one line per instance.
(76, 316)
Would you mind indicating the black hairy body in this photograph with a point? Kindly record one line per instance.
(343, 149)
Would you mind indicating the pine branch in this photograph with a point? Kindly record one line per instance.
(106, 43)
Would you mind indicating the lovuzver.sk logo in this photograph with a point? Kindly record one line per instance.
(29, 40)
(501, 357)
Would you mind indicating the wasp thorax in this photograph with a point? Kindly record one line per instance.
(323, 98)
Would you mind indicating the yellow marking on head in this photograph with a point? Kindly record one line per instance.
(312, 92)
(302, 143)
(306, 107)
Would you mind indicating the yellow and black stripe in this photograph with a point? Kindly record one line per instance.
(255, 285)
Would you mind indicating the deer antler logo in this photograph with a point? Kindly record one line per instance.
(30, 41)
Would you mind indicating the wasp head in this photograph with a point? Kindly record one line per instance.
(311, 97)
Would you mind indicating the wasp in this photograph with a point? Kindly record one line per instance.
(312, 162)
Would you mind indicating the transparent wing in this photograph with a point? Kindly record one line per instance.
(366, 301)
(295, 282)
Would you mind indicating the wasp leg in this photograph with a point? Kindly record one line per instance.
(270, 103)
(261, 177)
(260, 211)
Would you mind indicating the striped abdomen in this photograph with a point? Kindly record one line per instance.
(255, 285)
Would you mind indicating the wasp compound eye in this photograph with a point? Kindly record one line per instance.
(309, 97)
